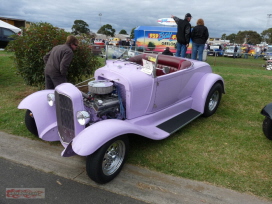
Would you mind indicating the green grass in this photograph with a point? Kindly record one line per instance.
(12, 90)
(227, 149)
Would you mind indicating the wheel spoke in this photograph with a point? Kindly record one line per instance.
(113, 157)
(106, 163)
(214, 100)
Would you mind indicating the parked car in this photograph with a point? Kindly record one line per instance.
(267, 123)
(215, 50)
(99, 42)
(268, 63)
(268, 53)
(114, 41)
(229, 52)
(96, 49)
(148, 95)
(5, 36)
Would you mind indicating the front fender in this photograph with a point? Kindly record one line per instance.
(203, 88)
(267, 110)
(44, 115)
(93, 137)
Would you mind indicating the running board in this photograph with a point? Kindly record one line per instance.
(174, 124)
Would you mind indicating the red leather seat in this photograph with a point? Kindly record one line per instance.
(174, 63)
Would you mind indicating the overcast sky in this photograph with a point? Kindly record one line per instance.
(220, 16)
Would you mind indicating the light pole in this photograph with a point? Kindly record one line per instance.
(246, 39)
(268, 20)
(267, 24)
(100, 18)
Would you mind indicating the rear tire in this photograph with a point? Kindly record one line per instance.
(213, 100)
(267, 128)
(30, 123)
(106, 163)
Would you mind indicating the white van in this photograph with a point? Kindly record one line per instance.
(5, 34)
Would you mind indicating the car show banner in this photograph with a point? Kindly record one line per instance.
(156, 38)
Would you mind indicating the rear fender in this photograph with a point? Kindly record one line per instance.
(202, 90)
(267, 111)
(96, 135)
(44, 115)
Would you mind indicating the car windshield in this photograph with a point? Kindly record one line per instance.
(269, 49)
(214, 47)
(231, 48)
(115, 52)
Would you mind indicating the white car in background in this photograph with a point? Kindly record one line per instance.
(268, 53)
(5, 36)
(229, 52)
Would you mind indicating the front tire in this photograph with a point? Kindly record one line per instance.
(106, 163)
(267, 128)
(30, 123)
(213, 100)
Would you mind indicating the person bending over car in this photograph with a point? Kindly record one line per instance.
(57, 62)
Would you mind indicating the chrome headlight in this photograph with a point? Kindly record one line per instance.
(83, 117)
(51, 99)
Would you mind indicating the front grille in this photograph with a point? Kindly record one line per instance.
(65, 119)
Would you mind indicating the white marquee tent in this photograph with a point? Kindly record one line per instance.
(9, 26)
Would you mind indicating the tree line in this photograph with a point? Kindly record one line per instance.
(249, 37)
(81, 27)
(40, 38)
(242, 37)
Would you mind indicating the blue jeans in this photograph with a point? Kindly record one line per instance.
(256, 56)
(181, 50)
(198, 49)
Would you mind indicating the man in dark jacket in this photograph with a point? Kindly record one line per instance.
(57, 62)
(235, 52)
(167, 52)
(183, 34)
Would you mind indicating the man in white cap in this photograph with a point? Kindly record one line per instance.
(183, 34)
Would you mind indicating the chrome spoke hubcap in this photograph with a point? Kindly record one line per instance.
(113, 157)
(213, 100)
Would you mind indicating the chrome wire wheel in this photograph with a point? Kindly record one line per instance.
(113, 157)
(214, 100)
(106, 163)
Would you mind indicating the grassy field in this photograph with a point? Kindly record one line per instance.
(227, 149)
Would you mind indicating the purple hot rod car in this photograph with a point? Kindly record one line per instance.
(148, 95)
